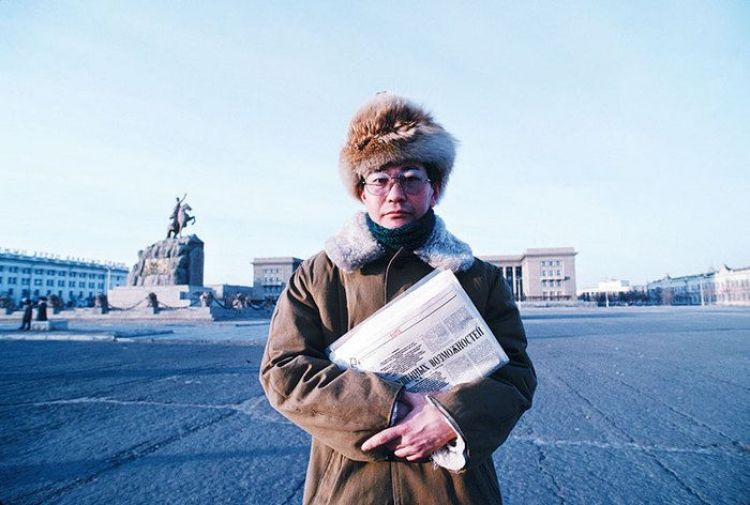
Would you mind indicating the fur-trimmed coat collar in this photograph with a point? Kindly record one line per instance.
(354, 246)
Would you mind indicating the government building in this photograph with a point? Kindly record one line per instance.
(544, 274)
(270, 276)
(72, 279)
(726, 286)
(540, 274)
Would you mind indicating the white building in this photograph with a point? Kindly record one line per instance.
(727, 286)
(542, 274)
(608, 287)
(40, 274)
(614, 291)
(537, 274)
(732, 286)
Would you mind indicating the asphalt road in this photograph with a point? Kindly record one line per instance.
(633, 406)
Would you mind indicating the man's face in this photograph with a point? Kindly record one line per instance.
(393, 204)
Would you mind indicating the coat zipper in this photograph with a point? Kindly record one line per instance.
(395, 477)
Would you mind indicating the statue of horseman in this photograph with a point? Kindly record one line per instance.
(179, 218)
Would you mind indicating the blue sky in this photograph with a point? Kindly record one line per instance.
(618, 128)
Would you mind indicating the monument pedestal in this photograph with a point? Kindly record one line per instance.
(169, 262)
(59, 324)
(176, 296)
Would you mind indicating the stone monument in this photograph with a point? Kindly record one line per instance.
(168, 262)
(167, 282)
(172, 268)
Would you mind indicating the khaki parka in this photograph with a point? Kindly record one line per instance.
(343, 408)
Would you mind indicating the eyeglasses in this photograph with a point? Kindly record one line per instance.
(380, 185)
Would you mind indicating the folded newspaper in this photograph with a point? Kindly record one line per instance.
(429, 338)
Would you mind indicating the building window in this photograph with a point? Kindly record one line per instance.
(100, 285)
(25, 281)
(51, 272)
(73, 274)
(12, 280)
(2, 268)
(50, 282)
(60, 284)
(38, 271)
(62, 274)
(15, 270)
(81, 285)
(37, 282)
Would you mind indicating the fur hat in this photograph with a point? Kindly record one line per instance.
(391, 129)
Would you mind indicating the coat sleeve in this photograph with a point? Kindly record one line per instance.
(486, 410)
(341, 408)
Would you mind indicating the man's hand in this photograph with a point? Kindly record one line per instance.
(416, 436)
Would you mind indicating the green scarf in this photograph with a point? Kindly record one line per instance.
(410, 236)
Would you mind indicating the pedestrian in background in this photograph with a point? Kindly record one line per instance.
(41, 309)
(27, 311)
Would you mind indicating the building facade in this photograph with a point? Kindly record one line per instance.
(73, 280)
(545, 274)
(726, 286)
(614, 292)
(539, 274)
(270, 275)
(732, 286)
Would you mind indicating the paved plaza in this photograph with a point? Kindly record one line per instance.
(634, 405)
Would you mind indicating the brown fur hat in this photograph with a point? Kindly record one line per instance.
(391, 129)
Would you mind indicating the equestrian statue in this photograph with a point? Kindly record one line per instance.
(179, 218)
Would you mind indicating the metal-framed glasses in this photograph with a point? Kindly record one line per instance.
(381, 184)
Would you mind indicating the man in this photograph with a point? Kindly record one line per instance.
(174, 223)
(371, 439)
(27, 312)
(41, 309)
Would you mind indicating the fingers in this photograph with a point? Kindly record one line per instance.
(412, 453)
(414, 400)
(382, 437)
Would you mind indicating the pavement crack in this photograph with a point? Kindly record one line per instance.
(724, 381)
(684, 485)
(712, 450)
(555, 488)
(133, 453)
(687, 487)
(659, 401)
(590, 404)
